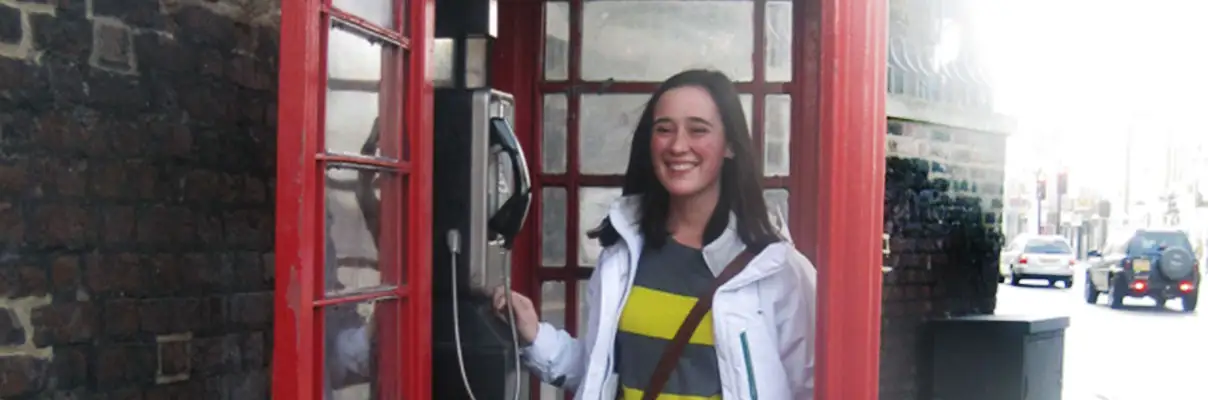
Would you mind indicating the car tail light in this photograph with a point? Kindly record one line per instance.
(1139, 286)
(1023, 260)
(1186, 286)
(1072, 262)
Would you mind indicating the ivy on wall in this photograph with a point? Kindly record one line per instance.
(952, 237)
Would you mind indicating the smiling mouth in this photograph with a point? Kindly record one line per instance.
(681, 166)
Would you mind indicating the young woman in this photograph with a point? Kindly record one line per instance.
(692, 203)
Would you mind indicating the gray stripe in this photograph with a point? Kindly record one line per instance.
(696, 373)
(674, 268)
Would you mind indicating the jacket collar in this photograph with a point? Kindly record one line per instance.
(624, 213)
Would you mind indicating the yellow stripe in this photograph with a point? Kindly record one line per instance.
(659, 314)
(634, 394)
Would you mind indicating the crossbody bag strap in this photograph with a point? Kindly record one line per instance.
(671, 355)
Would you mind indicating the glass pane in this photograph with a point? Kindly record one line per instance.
(355, 67)
(606, 124)
(593, 207)
(778, 31)
(441, 65)
(748, 101)
(553, 226)
(551, 393)
(553, 303)
(778, 203)
(581, 326)
(553, 306)
(525, 387)
(553, 134)
(354, 213)
(651, 40)
(377, 12)
(557, 40)
(354, 348)
(778, 119)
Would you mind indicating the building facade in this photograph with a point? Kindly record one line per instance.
(942, 126)
(136, 199)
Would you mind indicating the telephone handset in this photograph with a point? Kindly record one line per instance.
(509, 218)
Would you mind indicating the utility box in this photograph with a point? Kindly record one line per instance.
(997, 357)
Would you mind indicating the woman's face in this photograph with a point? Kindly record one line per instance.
(688, 144)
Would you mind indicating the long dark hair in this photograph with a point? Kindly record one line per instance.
(741, 191)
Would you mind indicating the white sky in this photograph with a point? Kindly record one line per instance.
(1075, 71)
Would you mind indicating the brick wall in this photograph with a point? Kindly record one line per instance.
(943, 201)
(136, 217)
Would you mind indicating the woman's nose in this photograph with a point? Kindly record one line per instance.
(679, 142)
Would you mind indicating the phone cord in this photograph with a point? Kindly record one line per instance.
(454, 244)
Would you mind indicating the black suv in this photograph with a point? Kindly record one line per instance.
(1144, 263)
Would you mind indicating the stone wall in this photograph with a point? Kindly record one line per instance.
(136, 216)
(943, 200)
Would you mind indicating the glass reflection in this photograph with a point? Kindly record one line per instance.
(593, 207)
(651, 40)
(776, 134)
(553, 134)
(553, 226)
(353, 206)
(355, 67)
(557, 40)
(778, 39)
(606, 124)
(377, 12)
(553, 311)
(778, 204)
(351, 348)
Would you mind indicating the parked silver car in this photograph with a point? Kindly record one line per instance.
(1047, 257)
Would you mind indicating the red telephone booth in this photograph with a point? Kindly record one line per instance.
(812, 73)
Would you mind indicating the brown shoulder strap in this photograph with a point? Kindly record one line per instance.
(671, 355)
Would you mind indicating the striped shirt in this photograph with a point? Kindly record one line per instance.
(664, 290)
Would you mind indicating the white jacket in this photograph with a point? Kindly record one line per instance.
(763, 320)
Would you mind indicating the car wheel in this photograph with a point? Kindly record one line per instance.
(1068, 283)
(1092, 294)
(1189, 301)
(1014, 278)
(1115, 294)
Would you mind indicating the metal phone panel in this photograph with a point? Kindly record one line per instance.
(491, 185)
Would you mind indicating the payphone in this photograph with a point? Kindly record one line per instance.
(481, 199)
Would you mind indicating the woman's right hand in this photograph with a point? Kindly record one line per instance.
(525, 314)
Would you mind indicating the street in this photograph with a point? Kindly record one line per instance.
(1137, 353)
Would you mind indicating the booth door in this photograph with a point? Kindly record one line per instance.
(353, 190)
(602, 59)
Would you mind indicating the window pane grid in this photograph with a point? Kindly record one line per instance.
(362, 162)
(379, 293)
(350, 20)
(365, 311)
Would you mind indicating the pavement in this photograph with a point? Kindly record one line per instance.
(1140, 352)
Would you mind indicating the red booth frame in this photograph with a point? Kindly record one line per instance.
(838, 88)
